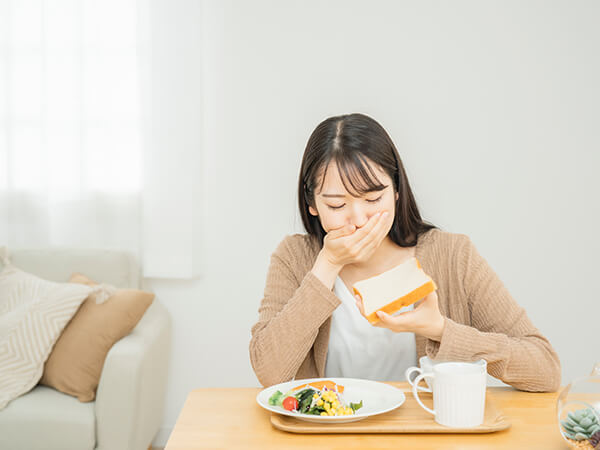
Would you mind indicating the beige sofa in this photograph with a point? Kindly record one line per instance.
(129, 405)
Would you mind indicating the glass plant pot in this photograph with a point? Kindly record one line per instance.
(578, 408)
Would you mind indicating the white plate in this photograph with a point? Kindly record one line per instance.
(377, 398)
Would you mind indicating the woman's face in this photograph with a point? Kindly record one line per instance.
(336, 207)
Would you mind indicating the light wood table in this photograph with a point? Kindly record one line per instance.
(230, 418)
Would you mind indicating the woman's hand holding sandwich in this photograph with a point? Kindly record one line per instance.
(425, 320)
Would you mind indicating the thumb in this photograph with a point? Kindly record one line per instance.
(383, 316)
(399, 319)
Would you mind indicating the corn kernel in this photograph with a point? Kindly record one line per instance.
(319, 402)
(331, 412)
(324, 413)
(315, 395)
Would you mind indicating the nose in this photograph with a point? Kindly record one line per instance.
(359, 216)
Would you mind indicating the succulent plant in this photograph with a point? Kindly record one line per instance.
(580, 424)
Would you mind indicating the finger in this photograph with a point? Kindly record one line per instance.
(397, 323)
(380, 324)
(380, 226)
(385, 321)
(375, 230)
(366, 229)
(427, 300)
(346, 230)
(359, 304)
(359, 307)
(383, 316)
(367, 250)
(432, 297)
(372, 242)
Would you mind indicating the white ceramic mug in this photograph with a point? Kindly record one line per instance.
(458, 394)
(426, 366)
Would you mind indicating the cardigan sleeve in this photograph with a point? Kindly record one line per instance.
(500, 331)
(290, 315)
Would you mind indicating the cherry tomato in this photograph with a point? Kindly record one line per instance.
(290, 403)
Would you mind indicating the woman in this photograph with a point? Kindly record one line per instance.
(361, 219)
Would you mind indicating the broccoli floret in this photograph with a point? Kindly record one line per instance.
(276, 399)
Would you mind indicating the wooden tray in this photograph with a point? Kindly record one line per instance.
(408, 418)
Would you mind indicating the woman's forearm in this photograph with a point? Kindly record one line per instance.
(283, 337)
(527, 362)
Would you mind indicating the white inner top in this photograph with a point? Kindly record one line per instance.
(357, 349)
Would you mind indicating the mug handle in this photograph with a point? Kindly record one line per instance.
(409, 373)
(416, 394)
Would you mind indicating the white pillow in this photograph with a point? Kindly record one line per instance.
(33, 313)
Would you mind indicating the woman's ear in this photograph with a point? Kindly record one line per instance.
(313, 211)
(397, 195)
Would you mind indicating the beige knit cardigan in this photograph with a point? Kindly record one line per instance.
(482, 320)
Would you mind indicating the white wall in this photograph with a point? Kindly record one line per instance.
(492, 105)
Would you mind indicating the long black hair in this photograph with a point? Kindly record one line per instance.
(352, 141)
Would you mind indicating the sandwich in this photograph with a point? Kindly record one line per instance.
(394, 289)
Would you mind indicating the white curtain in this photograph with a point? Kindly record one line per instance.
(76, 148)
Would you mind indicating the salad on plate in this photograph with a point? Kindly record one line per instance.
(319, 398)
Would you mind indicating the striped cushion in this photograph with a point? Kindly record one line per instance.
(33, 313)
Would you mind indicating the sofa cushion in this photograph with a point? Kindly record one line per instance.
(75, 364)
(33, 313)
(45, 418)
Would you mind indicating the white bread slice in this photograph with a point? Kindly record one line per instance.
(394, 289)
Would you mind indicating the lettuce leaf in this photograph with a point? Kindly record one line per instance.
(356, 406)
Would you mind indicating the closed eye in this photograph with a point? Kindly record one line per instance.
(375, 200)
